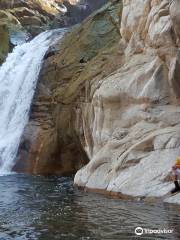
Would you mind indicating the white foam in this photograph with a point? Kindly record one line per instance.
(18, 79)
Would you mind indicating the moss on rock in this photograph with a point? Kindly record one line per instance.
(4, 40)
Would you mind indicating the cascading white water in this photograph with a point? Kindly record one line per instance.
(18, 78)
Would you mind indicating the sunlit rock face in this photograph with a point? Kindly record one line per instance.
(133, 122)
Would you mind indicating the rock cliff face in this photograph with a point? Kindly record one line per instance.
(21, 20)
(111, 99)
(32, 15)
(4, 46)
(76, 13)
(51, 142)
(135, 111)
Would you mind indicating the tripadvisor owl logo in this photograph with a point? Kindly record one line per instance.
(139, 231)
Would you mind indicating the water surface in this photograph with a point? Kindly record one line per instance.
(48, 208)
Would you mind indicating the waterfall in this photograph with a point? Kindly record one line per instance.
(18, 78)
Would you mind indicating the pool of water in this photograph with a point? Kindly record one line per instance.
(48, 208)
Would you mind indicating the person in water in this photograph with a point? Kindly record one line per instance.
(176, 175)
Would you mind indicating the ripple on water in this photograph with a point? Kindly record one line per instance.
(50, 208)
